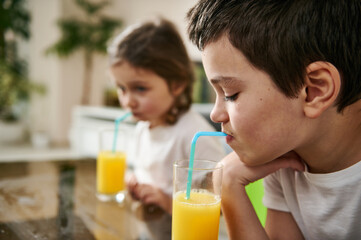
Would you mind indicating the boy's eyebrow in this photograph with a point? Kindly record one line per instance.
(224, 79)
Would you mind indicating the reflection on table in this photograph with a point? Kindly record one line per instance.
(56, 200)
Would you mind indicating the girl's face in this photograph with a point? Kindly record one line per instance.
(262, 123)
(143, 92)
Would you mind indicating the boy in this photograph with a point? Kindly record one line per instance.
(288, 80)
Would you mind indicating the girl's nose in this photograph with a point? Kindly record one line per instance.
(128, 100)
(219, 113)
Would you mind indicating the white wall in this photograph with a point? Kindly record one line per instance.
(45, 110)
(175, 10)
(62, 77)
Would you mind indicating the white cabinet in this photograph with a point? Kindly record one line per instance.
(87, 121)
(86, 124)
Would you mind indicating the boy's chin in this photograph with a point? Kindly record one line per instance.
(250, 162)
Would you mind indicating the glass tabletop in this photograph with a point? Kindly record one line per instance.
(56, 200)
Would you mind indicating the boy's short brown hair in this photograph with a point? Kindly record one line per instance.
(282, 37)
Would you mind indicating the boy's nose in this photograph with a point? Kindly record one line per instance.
(219, 113)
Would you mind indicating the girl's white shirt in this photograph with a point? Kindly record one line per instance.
(156, 149)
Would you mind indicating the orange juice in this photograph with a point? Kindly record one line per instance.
(196, 218)
(110, 172)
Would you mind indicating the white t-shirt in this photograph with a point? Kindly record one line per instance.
(158, 148)
(325, 206)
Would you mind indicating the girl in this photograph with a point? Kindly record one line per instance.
(154, 77)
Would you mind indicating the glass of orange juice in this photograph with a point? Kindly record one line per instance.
(197, 217)
(111, 166)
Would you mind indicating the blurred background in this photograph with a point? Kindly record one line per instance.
(54, 89)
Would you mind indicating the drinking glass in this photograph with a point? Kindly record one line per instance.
(197, 217)
(111, 165)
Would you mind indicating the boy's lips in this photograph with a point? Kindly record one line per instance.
(229, 139)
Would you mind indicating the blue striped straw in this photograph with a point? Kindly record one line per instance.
(191, 159)
(117, 122)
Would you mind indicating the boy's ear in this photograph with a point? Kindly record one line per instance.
(322, 86)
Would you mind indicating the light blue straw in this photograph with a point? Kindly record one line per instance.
(191, 159)
(117, 122)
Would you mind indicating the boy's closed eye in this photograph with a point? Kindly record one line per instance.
(231, 98)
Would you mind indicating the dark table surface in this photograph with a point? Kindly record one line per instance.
(56, 200)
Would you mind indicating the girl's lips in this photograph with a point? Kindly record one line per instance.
(136, 115)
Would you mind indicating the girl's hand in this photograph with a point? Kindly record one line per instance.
(132, 184)
(149, 194)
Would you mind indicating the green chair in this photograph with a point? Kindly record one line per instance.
(255, 193)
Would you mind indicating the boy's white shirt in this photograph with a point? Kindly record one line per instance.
(325, 206)
(157, 149)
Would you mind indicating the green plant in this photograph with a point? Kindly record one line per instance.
(15, 86)
(202, 91)
(90, 34)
